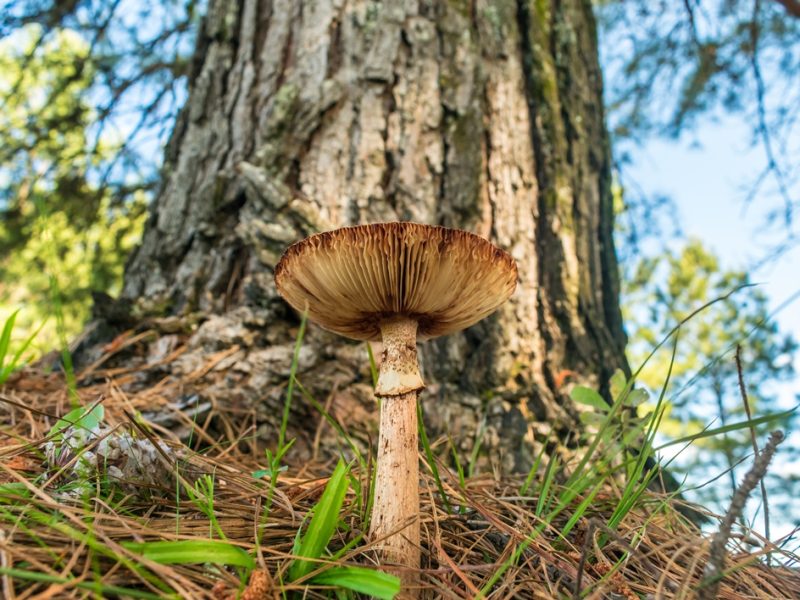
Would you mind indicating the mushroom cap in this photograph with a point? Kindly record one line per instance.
(352, 279)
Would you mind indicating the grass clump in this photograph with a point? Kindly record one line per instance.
(229, 525)
(12, 359)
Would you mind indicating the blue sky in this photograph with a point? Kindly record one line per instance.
(707, 173)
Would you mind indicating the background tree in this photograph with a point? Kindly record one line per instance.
(669, 64)
(304, 116)
(663, 292)
(485, 116)
(89, 91)
(61, 235)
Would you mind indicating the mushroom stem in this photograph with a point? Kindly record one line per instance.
(395, 514)
(399, 373)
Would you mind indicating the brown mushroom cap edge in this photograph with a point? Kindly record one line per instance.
(353, 278)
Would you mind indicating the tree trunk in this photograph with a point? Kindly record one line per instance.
(303, 116)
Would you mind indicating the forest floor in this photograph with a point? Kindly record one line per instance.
(113, 499)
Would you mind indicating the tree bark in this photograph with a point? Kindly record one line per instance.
(484, 115)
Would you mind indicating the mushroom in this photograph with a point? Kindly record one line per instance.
(397, 283)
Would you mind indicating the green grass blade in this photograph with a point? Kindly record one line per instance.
(462, 482)
(14, 492)
(426, 445)
(323, 523)
(290, 387)
(566, 499)
(107, 591)
(533, 470)
(544, 493)
(7, 369)
(629, 500)
(768, 418)
(347, 547)
(685, 320)
(18, 521)
(5, 337)
(187, 552)
(335, 424)
(375, 584)
(580, 511)
(373, 368)
(53, 522)
(283, 447)
(66, 355)
(638, 480)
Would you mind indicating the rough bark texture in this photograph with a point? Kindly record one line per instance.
(484, 115)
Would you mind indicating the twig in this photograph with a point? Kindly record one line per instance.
(8, 585)
(593, 525)
(715, 568)
(761, 112)
(746, 402)
(692, 25)
(792, 7)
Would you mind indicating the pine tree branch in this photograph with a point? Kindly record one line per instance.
(792, 7)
